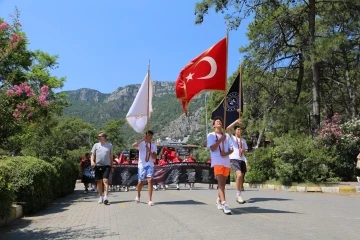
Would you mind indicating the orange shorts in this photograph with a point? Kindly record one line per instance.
(221, 170)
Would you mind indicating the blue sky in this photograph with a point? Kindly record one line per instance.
(106, 44)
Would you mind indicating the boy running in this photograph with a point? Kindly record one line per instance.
(237, 158)
(147, 154)
(220, 148)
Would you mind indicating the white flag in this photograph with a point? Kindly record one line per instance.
(137, 115)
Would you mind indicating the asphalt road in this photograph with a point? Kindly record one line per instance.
(192, 214)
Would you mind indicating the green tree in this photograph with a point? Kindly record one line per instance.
(26, 85)
(113, 130)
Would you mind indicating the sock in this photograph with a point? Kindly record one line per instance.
(223, 202)
(238, 193)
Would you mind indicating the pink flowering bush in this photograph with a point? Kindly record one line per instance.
(342, 136)
(26, 100)
(330, 131)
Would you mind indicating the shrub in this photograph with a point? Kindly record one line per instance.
(261, 166)
(6, 198)
(35, 183)
(31, 179)
(66, 175)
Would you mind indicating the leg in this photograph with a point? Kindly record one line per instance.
(100, 187)
(221, 190)
(149, 175)
(150, 188)
(139, 188)
(239, 182)
(106, 185)
(141, 176)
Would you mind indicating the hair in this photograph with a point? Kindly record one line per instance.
(87, 154)
(149, 132)
(236, 127)
(218, 118)
(103, 134)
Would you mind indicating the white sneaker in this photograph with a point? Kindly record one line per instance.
(151, 203)
(218, 204)
(106, 201)
(240, 200)
(100, 200)
(226, 209)
(137, 200)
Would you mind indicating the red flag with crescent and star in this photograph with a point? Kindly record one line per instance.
(206, 72)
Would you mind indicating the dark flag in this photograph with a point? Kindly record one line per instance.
(232, 104)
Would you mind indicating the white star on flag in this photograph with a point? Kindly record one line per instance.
(189, 77)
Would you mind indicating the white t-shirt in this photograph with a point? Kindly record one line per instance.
(142, 154)
(236, 144)
(216, 158)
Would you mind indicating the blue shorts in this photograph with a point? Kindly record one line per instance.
(145, 172)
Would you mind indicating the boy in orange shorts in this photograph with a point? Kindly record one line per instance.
(220, 148)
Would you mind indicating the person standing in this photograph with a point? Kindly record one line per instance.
(102, 161)
(88, 174)
(147, 155)
(220, 148)
(237, 158)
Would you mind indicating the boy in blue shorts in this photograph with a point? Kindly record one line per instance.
(147, 154)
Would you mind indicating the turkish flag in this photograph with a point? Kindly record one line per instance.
(206, 72)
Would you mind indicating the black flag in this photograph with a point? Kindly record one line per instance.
(233, 104)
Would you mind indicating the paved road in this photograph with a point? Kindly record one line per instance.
(192, 214)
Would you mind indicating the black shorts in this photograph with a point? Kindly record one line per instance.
(238, 165)
(102, 172)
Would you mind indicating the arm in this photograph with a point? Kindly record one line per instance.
(228, 129)
(212, 144)
(111, 157)
(245, 147)
(136, 144)
(153, 155)
(93, 159)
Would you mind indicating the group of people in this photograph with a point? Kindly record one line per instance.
(227, 149)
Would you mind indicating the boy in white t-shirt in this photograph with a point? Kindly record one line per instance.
(220, 148)
(237, 158)
(147, 154)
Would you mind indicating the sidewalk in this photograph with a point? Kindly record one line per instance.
(342, 187)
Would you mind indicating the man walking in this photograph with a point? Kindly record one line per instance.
(147, 154)
(220, 148)
(237, 158)
(102, 161)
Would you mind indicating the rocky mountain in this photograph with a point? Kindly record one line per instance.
(167, 119)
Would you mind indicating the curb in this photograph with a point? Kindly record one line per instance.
(16, 213)
(338, 189)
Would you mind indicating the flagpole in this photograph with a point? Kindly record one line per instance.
(226, 70)
(240, 96)
(148, 99)
(227, 51)
(206, 117)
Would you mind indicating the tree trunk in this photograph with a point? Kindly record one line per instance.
(300, 77)
(315, 66)
(352, 96)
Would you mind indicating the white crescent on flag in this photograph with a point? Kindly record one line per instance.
(137, 117)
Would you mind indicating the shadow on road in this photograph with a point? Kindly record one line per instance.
(184, 202)
(251, 210)
(254, 200)
(56, 233)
